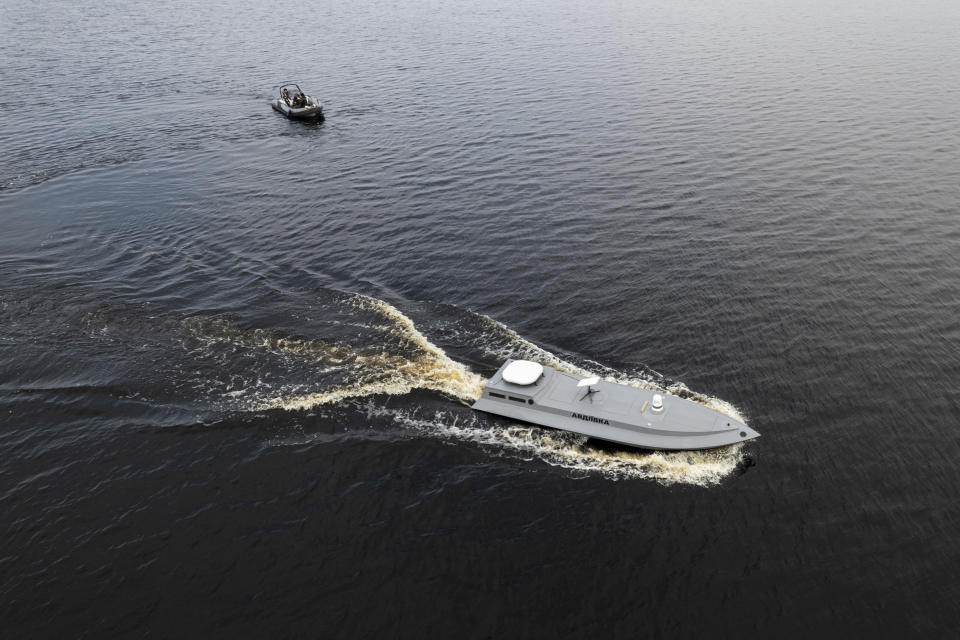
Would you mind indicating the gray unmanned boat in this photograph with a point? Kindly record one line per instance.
(531, 392)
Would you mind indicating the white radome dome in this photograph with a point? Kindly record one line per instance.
(522, 372)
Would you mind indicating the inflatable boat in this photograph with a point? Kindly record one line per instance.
(294, 103)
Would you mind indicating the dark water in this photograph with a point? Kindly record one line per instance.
(237, 352)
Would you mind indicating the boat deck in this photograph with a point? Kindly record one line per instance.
(611, 411)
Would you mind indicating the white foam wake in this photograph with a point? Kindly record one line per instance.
(394, 374)
(431, 368)
(569, 451)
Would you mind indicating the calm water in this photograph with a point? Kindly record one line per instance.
(237, 353)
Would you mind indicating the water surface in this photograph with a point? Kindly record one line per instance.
(237, 353)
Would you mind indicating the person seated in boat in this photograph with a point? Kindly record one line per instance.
(286, 96)
(298, 101)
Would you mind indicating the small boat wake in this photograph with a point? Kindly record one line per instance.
(402, 359)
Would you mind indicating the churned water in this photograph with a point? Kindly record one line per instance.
(237, 353)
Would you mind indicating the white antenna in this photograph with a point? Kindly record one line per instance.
(588, 383)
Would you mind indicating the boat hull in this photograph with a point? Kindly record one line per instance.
(613, 412)
(313, 111)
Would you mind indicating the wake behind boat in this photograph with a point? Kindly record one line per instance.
(531, 392)
(294, 103)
